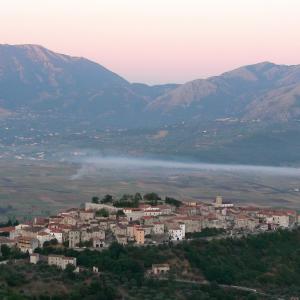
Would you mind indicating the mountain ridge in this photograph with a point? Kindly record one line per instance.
(40, 80)
(235, 90)
(53, 102)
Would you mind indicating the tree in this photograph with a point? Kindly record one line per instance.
(50, 243)
(107, 199)
(5, 250)
(69, 271)
(138, 197)
(95, 200)
(152, 198)
(120, 213)
(173, 201)
(102, 213)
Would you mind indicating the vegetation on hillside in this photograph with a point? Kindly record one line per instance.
(269, 262)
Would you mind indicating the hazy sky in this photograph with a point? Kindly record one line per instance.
(159, 41)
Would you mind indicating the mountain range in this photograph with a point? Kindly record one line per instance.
(46, 89)
(37, 79)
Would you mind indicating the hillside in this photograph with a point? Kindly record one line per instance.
(263, 91)
(35, 79)
(236, 117)
(250, 262)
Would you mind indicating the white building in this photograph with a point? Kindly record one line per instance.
(176, 232)
(133, 214)
(57, 234)
(34, 258)
(281, 219)
(43, 237)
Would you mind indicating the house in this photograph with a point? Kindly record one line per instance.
(153, 212)
(139, 235)
(281, 219)
(30, 231)
(158, 228)
(190, 202)
(27, 244)
(61, 261)
(166, 209)
(55, 219)
(34, 258)
(43, 237)
(130, 231)
(69, 220)
(148, 220)
(7, 231)
(212, 221)
(119, 229)
(92, 233)
(192, 224)
(176, 231)
(86, 215)
(133, 214)
(188, 210)
(57, 234)
(147, 229)
(160, 269)
(74, 238)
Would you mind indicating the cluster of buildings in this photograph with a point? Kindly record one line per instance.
(146, 224)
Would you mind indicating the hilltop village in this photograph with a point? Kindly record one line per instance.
(140, 221)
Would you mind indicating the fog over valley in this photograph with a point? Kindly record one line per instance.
(94, 164)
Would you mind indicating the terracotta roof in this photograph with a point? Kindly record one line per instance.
(43, 233)
(5, 240)
(7, 229)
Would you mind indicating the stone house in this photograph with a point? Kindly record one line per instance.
(119, 229)
(27, 244)
(160, 269)
(92, 233)
(86, 215)
(61, 261)
(176, 231)
(74, 238)
(158, 228)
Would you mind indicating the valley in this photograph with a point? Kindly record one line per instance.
(67, 109)
(30, 188)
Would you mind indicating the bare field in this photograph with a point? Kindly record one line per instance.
(31, 188)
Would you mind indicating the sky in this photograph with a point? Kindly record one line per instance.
(159, 41)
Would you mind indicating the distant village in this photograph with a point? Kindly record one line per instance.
(140, 221)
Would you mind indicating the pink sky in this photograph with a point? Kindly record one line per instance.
(159, 41)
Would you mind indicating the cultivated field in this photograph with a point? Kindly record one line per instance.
(29, 188)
